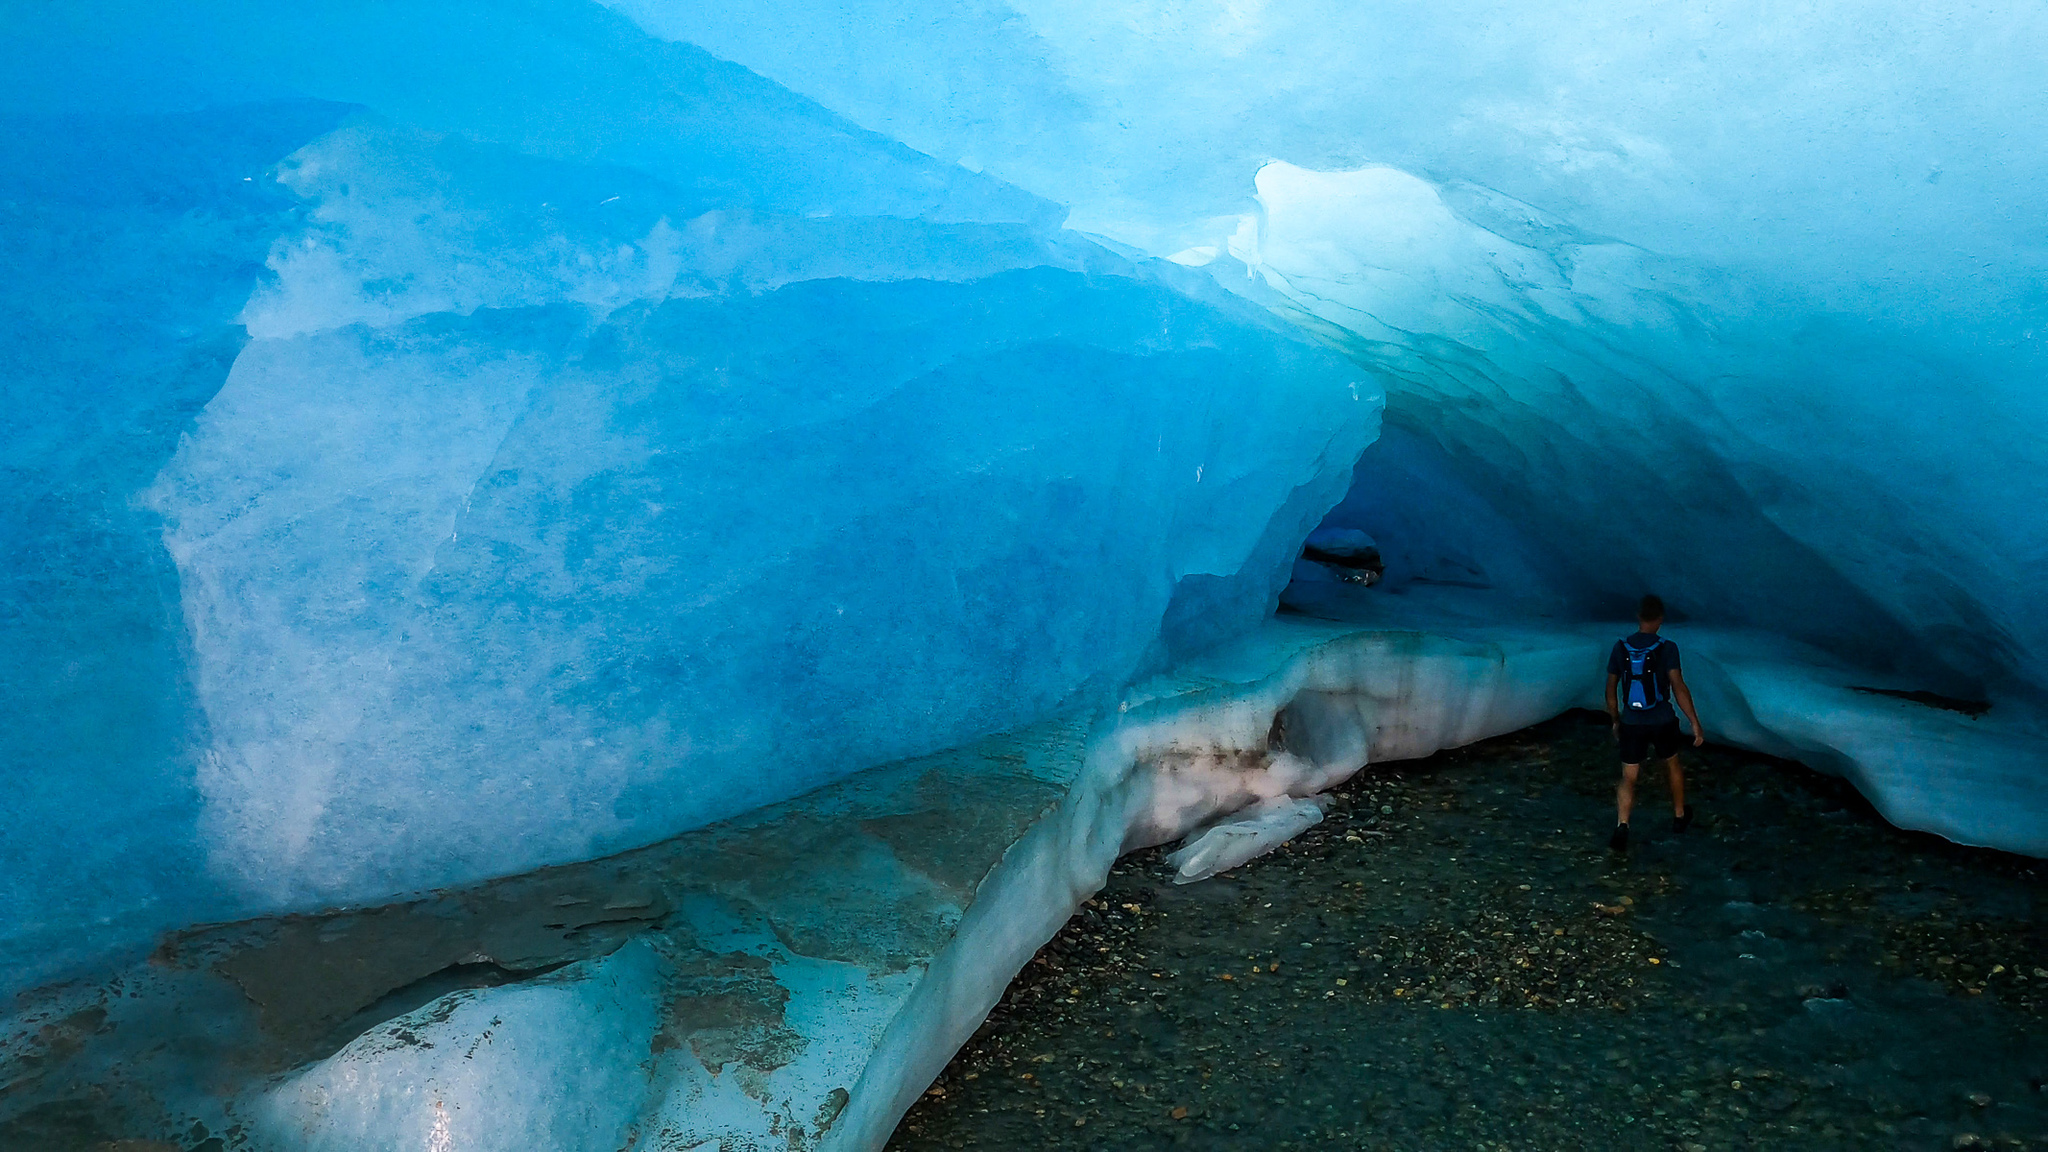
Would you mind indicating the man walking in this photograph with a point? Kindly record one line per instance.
(1642, 681)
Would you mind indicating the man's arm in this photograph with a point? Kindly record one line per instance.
(1680, 693)
(1613, 704)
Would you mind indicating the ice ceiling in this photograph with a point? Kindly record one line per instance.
(1737, 301)
(446, 438)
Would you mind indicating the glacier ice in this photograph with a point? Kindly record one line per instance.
(1651, 427)
(587, 580)
(448, 440)
(1744, 307)
(371, 1094)
(544, 438)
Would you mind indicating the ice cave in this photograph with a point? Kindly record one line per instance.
(586, 575)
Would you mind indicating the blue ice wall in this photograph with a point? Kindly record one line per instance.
(1743, 303)
(446, 439)
(130, 241)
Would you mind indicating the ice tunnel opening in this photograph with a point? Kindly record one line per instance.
(1797, 663)
(1409, 522)
(1432, 528)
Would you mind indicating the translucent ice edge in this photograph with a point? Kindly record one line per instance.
(796, 978)
(1245, 836)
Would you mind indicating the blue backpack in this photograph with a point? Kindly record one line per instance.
(1641, 691)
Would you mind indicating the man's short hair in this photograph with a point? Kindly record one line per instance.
(1650, 608)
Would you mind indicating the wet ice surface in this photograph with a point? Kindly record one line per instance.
(1452, 959)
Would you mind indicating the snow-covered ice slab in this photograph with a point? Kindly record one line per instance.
(1244, 836)
(1973, 779)
(761, 983)
(793, 979)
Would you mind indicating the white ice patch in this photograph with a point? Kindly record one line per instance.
(1251, 833)
(553, 1064)
(397, 226)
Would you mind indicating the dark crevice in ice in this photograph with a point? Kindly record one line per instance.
(1931, 699)
(418, 994)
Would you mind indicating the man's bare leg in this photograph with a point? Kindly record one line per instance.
(1624, 802)
(1681, 816)
(1625, 795)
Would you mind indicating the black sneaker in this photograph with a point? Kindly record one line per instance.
(1619, 841)
(1681, 823)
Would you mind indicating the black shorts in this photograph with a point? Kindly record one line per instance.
(1637, 739)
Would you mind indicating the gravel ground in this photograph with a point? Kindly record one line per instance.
(1454, 960)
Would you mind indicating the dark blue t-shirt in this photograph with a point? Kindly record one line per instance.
(1661, 663)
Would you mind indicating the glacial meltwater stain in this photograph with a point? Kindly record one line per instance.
(1453, 960)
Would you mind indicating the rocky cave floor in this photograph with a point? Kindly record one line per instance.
(1453, 959)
